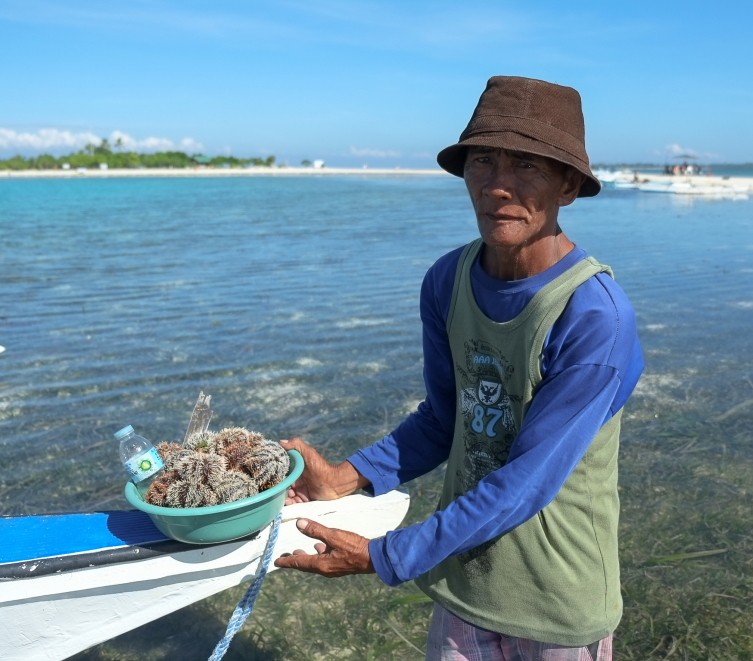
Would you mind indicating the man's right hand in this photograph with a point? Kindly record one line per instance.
(321, 480)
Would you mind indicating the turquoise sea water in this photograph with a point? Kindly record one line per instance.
(294, 303)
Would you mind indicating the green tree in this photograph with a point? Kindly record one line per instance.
(45, 162)
(15, 163)
(104, 147)
(83, 160)
(91, 156)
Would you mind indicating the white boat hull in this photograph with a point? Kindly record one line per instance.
(688, 188)
(56, 615)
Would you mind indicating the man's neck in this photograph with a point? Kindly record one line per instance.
(525, 261)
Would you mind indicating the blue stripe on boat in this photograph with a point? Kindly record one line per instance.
(52, 535)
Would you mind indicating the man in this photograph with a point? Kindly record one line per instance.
(530, 353)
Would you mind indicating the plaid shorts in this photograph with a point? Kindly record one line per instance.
(452, 639)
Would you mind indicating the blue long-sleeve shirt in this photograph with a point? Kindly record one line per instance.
(591, 363)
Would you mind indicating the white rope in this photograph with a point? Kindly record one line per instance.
(246, 604)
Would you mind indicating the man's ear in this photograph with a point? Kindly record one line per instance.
(571, 184)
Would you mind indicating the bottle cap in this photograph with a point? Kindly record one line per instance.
(122, 433)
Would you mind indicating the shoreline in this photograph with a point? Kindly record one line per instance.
(213, 172)
(618, 179)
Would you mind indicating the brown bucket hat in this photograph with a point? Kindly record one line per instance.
(528, 115)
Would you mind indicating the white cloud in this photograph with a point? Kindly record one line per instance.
(155, 144)
(678, 151)
(191, 145)
(52, 140)
(45, 139)
(373, 153)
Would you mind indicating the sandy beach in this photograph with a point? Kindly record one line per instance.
(620, 179)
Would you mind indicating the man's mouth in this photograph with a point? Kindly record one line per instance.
(502, 217)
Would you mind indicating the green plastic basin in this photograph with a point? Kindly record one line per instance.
(220, 523)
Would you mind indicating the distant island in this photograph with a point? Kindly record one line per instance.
(105, 156)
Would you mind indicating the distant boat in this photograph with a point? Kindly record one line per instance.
(688, 187)
(71, 581)
(701, 186)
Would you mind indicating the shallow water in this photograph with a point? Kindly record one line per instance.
(294, 303)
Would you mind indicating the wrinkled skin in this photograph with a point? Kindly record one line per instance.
(517, 198)
(338, 553)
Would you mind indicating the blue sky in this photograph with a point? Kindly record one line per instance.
(362, 82)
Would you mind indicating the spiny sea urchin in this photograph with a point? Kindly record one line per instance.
(202, 442)
(167, 450)
(233, 435)
(184, 493)
(267, 465)
(235, 486)
(202, 468)
(213, 468)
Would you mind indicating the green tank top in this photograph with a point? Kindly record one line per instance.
(555, 578)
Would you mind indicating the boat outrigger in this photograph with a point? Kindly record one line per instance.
(71, 581)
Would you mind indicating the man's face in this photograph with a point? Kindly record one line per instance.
(517, 196)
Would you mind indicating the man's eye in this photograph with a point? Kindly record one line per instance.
(481, 158)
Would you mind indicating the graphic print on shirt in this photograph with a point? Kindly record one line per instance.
(486, 409)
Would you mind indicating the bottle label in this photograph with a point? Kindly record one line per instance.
(144, 465)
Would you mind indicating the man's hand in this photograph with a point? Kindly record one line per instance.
(339, 553)
(321, 480)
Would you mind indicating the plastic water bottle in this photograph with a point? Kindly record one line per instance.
(140, 458)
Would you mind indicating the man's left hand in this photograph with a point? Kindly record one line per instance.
(338, 553)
